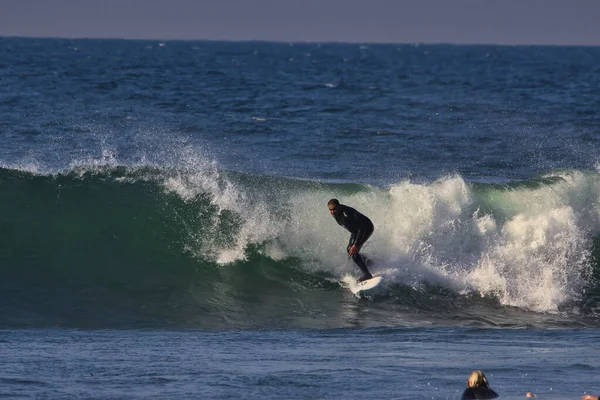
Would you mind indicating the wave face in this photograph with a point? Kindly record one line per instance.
(105, 245)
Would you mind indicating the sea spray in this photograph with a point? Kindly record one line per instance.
(201, 240)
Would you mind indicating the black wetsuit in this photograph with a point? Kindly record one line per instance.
(479, 393)
(360, 228)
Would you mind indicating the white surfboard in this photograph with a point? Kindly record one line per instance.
(365, 287)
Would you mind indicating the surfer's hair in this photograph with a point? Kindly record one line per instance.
(477, 379)
(335, 202)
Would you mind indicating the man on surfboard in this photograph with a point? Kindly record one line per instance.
(360, 228)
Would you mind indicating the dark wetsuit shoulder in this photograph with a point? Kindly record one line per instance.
(479, 393)
(352, 220)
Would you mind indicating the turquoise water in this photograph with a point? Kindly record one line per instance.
(163, 200)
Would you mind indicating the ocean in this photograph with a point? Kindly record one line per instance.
(164, 230)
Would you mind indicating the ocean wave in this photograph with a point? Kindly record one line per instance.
(101, 243)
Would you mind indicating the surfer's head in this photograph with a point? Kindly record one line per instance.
(334, 206)
(477, 379)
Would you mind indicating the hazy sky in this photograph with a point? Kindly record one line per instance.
(409, 21)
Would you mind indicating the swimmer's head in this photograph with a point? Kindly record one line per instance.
(477, 379)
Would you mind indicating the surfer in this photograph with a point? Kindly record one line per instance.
(478, 387)
(360, 228)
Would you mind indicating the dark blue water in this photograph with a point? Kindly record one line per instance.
(378, 363)
(162, 193)
(373, 113)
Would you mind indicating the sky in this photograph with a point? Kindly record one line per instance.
(547, 22)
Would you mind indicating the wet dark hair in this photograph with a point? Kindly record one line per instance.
(334, 202)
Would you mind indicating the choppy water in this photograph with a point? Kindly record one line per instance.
(396, 363)
(182, 185)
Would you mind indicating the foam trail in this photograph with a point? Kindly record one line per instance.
(529, 249)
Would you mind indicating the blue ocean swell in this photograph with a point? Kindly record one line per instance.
(374, 113)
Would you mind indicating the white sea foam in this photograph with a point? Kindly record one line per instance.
(32, 166)
(530, 251)
(529, 248)
(201, 176)
(108, 158)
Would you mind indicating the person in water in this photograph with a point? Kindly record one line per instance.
(360, 228)
(478, 387)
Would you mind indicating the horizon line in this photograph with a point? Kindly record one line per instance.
(275, 41)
